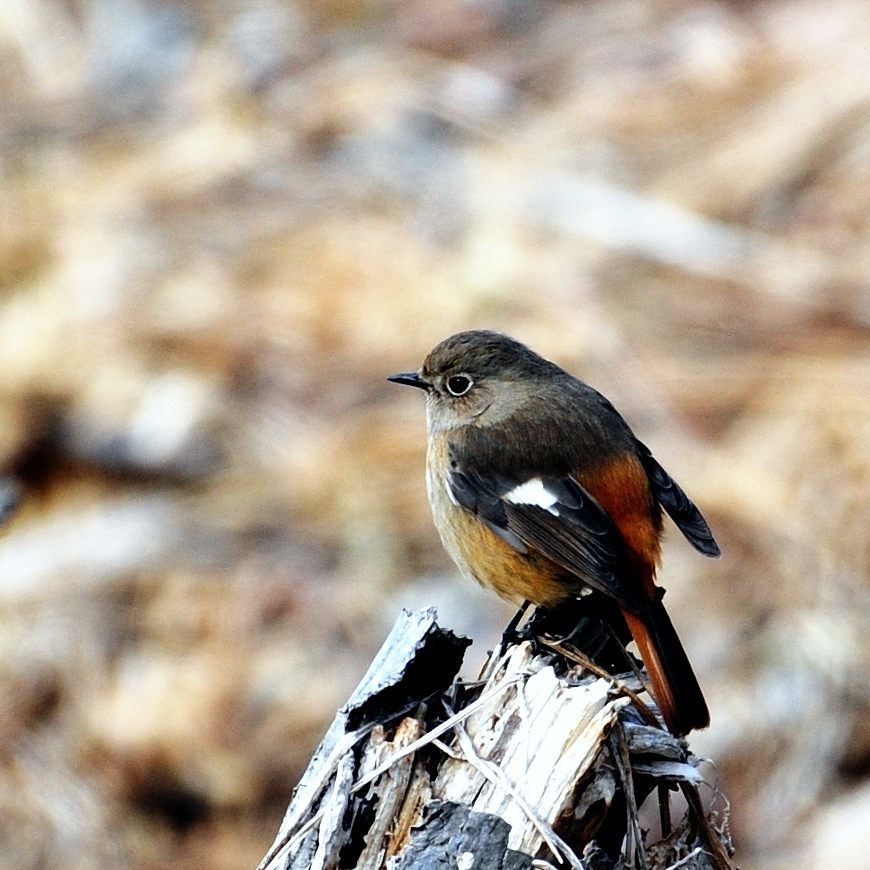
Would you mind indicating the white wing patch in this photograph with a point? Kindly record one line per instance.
(450, 493)
(533, 492)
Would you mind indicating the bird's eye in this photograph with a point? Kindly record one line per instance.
(459, 385)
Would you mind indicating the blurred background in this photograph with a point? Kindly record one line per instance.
(223, 223)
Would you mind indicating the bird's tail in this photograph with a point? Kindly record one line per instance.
(674, 685)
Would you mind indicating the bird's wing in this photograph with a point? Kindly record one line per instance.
(553, 515)
(681, 509)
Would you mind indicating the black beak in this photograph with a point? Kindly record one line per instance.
(410, 379)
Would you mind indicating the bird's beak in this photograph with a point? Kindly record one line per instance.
(411, 379)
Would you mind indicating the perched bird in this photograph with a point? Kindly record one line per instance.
(540, 491)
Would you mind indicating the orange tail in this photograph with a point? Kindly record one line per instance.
(674, 685)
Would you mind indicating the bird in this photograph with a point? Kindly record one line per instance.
(540, 491)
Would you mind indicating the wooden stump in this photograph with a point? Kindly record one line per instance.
(542, 763)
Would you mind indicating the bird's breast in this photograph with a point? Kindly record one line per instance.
(481, 555)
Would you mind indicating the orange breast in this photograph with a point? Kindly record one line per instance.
(483, 556)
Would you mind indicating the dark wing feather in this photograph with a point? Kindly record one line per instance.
(482, 498)
(575, 533)
(681, 509)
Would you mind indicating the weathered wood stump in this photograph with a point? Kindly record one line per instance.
(545, 762)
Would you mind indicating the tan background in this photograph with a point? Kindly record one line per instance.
(221, 225)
